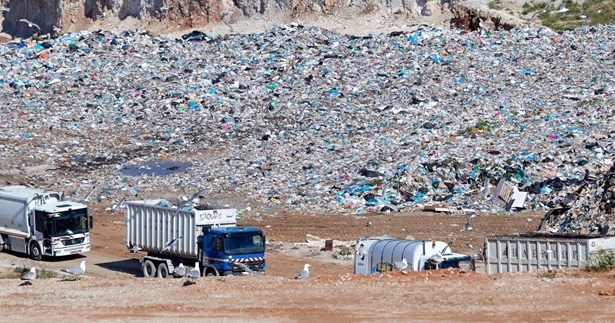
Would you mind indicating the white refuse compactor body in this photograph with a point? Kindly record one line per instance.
(379, 254)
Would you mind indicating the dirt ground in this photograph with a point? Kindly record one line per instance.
(113, 289)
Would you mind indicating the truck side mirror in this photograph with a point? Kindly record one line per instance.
(91, 222)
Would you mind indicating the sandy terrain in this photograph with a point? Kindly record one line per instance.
(114, 291)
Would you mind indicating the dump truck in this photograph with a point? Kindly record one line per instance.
(381, 254)
(189, 235)
(535, 251)
(39, 223)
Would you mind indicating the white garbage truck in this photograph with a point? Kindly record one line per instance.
(381, 254)
(39, 223)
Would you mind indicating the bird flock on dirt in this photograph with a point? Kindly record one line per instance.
(75, 272)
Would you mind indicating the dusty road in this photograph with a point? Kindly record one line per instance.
(114, 291)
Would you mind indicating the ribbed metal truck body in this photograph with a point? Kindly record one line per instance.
(151, 227)
(505, 254)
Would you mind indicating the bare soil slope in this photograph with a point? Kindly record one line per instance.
(114, 291)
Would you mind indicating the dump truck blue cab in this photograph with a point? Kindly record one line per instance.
(224, 247)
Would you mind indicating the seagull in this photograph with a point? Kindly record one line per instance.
(226, 18)
(180, 270)
(401, 265)
(189, 200)
(481, 25)
(562, 10)
(135, 249)
(435, 259)
(170, 243)
(114, 207)
(193, 274)
(467, 227)
(305, 273)
(87, 196)
(28, 276)
(30, 23)
(76, 270)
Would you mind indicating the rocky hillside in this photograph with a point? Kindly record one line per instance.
(164, 16)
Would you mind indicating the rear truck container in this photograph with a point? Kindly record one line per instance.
(381, 254)
(39, 223)
(536, 251)
(171, 236)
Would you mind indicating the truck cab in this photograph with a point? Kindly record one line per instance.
(62, 228)
(40, 223)
(224, 247)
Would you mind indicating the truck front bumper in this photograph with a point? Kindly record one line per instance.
(73, 250)
(241, 273)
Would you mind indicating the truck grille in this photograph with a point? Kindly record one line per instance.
(71, 242)
(254, 265)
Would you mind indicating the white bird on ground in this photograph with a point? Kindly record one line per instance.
(29, 275)
(30, 23)
(436, 259)
(563, 10)
(195, 272)
(135, 249)
(180, 270)
(305, 273)
(171, 243)
(401, 265)
(76, 270)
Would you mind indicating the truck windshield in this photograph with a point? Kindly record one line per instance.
(69, 223)
(244, 244)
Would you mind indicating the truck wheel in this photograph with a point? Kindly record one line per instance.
(163, 270)
(210, 272)
(35, 251)
(149, 270)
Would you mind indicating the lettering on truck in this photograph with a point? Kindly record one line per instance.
(214, 215)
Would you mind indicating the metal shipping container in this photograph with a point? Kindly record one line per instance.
(529, 253)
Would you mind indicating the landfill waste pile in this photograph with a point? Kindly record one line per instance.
(307, 119)
(589, 209)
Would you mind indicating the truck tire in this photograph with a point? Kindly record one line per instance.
(149, 269)
(210, 272)
(163, 270)
(35, 251)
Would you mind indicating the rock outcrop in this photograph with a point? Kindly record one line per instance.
(56, 16)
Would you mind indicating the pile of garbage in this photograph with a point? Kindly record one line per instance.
(309, 119)
(590, 209)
